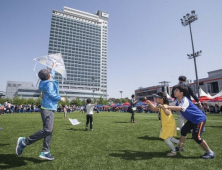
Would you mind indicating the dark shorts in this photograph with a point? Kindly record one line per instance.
(196, 130)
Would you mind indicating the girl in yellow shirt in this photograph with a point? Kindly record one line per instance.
(168, 130)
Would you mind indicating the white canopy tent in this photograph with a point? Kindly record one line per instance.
(209, 95)
(218, 94)
(168, 96)
(202, 93)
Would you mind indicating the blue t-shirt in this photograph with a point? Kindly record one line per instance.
(191, 112)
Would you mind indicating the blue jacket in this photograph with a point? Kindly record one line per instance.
(50, 90)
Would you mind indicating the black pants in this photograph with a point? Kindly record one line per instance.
(197, 130)
(132, 117)
(89, 118)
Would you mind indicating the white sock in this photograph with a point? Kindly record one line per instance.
(210, 151)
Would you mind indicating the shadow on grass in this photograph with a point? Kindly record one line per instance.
(138, 155)
(75, 129)
(68, 124)
(149, 138)
(214, 126)
(122, 122)
(12, 161)
(4, 144)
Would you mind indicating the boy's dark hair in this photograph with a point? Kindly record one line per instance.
(164, 97)
(182, 78)
(133, 96)
(88, 100)
(182, 88)
(43, 74)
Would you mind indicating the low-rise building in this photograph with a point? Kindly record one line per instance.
(28, 90)
(149, 91)
(2, 93)
(212, 84)
(12, 87)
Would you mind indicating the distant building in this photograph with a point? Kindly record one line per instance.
(212, 84)
(2, 93)
(149, 91)
(28, 90)
(82, 38)
(12, 87)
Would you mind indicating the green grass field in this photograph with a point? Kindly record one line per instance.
(114, 144)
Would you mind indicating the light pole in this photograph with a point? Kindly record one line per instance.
(93, 78)
(187, 20)
(121, 93)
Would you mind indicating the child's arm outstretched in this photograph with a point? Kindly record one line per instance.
(154, 108)
(175, 108)
(166, 110)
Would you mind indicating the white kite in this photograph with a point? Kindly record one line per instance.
(74, 121)
(48, 61)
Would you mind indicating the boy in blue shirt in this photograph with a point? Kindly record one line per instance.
(50, 91)
(196, 120)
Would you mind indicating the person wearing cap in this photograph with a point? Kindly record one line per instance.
(168, 123)
(189, 93)
(50, 90)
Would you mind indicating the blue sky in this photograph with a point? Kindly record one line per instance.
(146, 41)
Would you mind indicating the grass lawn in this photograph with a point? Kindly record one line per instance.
(114, 144)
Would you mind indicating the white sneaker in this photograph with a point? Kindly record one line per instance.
(172, 153)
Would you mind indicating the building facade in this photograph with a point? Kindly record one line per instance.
(212, 84)
(34, 92)
(148, 92)
(12, 87)
(2, 94)
(82, 39)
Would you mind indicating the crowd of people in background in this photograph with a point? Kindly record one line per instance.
(8, 107)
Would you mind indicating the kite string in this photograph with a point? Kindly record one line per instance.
(34, 70)
(62, 86)
(36, 74)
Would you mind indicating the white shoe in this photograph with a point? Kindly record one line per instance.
(172, 153)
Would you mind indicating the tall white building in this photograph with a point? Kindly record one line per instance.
(82, 38)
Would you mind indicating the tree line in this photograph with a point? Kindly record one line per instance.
(31, 101)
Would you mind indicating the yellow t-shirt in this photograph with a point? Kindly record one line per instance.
(168, 125)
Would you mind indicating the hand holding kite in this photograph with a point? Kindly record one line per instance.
(53, 61)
